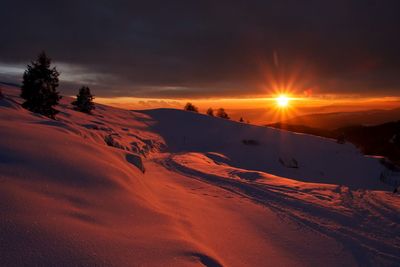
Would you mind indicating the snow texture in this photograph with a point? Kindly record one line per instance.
(174, 188)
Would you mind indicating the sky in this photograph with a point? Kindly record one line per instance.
(154, 53)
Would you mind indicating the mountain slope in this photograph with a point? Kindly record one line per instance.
(182, 189)
(382, 140)
(319, 159)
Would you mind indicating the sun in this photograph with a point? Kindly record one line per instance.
(282, 101)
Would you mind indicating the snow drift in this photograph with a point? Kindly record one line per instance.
(168, 187)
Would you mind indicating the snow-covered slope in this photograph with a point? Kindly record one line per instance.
(174, 188)
(317, 159)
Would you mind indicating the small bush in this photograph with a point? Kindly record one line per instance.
(250, 142)
(341, 139)
(222, 114)
(190, 107)
(210, 112)
(289, 162)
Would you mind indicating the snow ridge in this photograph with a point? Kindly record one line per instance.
(169, 187)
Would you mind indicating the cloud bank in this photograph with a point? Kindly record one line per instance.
(209, 48)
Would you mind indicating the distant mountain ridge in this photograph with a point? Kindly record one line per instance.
(380, 140)
(335, 120)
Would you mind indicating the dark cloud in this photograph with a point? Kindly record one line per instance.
(212, 48)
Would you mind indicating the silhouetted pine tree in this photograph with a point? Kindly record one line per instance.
(341, 139)
(84, 100)
(241, 119)
(1, 94)
(210, 112)
(39, 87)
(190, 107)
(222, 114)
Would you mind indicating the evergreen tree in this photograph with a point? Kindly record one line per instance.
(241, 119)
(210, 112)
(341, 139)
(39, 87)
(1, 94)
(84, 100)
(190, 107)
(222, 114)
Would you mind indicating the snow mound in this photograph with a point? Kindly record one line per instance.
(366, 222)
(286, 154)
(174, 188)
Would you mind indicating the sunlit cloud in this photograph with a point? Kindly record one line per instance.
(70, 73)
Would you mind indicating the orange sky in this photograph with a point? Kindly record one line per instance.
(262, 110)
(348, 103)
